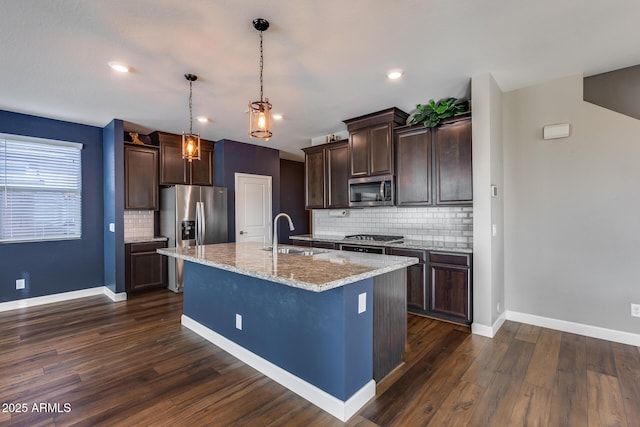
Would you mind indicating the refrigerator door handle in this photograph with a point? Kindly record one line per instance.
(203, 223)
(198, 221)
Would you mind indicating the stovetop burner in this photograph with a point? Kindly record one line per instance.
(374, 237)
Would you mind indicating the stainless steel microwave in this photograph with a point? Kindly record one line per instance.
(372, 191)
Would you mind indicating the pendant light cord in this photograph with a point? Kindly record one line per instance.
(190, 108)
(261, 65)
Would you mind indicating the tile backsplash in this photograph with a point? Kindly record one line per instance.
(449, 226)
(138, 224)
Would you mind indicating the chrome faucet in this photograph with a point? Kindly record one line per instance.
(274, 241)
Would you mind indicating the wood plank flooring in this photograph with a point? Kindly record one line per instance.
(132, 363)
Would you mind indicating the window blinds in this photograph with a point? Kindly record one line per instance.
(40, 189)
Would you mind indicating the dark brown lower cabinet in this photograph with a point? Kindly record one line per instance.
(324, 245)
(144, 267)
(450, 286)
(299, 242)
(416, 279)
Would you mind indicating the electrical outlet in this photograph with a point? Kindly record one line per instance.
(238, 321)
(635, 310)
(20, 284)
(362, 302)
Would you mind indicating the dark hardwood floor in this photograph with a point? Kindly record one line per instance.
(95, 362)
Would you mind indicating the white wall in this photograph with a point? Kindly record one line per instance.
(572, 208)
(488, 250)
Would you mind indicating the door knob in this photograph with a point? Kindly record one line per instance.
(242, 232)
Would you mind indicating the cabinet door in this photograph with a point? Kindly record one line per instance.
(314, 178)
(380, 150)
(416, 278)
(145, 267)
(141, 177)
(172, 166)
(450, 293)
(359, 151)
(452, 151)
(413, 157)
(201, 171)
(337, 174)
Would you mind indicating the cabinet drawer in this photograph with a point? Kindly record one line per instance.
(448, 258)
(147, 246)
(421, 255)
(297, 242)
(325, 245)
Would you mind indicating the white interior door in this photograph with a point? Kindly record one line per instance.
(253, 208)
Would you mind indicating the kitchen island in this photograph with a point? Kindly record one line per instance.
(325, 324)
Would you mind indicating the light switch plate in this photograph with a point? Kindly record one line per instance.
(20, 284)
(362, 302)
(112, 227)
(238, 321)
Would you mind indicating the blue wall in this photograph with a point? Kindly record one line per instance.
(113, 166)
(59, 266)
(231, 157)
(317, 336)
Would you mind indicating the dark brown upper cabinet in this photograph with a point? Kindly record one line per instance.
(371, 142)
(327, 175)
(433, 165)
(140, 177)
(452, 163)
(174, 169)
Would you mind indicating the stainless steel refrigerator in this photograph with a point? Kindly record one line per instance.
(191, 215)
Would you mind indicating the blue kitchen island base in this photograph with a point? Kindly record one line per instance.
(317, 344)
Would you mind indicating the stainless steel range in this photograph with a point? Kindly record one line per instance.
(358, 239)
(374, 238)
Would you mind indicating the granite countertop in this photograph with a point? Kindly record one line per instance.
(327, 269)
(146, 239)
(405, 243)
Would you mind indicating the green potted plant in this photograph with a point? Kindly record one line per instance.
(432, 113)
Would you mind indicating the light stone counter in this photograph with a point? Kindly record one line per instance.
(145, 239)
(327, 269)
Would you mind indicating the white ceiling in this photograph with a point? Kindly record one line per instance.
(325, 61)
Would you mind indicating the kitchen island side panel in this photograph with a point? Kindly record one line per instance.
(318, 336)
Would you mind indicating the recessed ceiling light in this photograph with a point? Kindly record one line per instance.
(277, 117)
(203, 119)
(119, 67)
(394, 75)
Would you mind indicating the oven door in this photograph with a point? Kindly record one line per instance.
(372, 191)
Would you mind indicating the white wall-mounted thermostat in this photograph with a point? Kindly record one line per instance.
(556, 131)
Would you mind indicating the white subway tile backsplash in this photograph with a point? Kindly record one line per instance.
(451, 226)
(138, 224)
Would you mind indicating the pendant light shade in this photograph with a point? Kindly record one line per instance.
(190, 141)
(260, 111)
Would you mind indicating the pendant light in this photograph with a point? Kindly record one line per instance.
(260, 111)
(191, 142)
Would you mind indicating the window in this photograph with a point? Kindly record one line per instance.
(40, 189)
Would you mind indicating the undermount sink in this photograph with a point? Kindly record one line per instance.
(295, 251)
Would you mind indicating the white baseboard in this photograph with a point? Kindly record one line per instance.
(488, 331)
(343, 410)
(64, 296)
(120, 296)
(576, 328)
